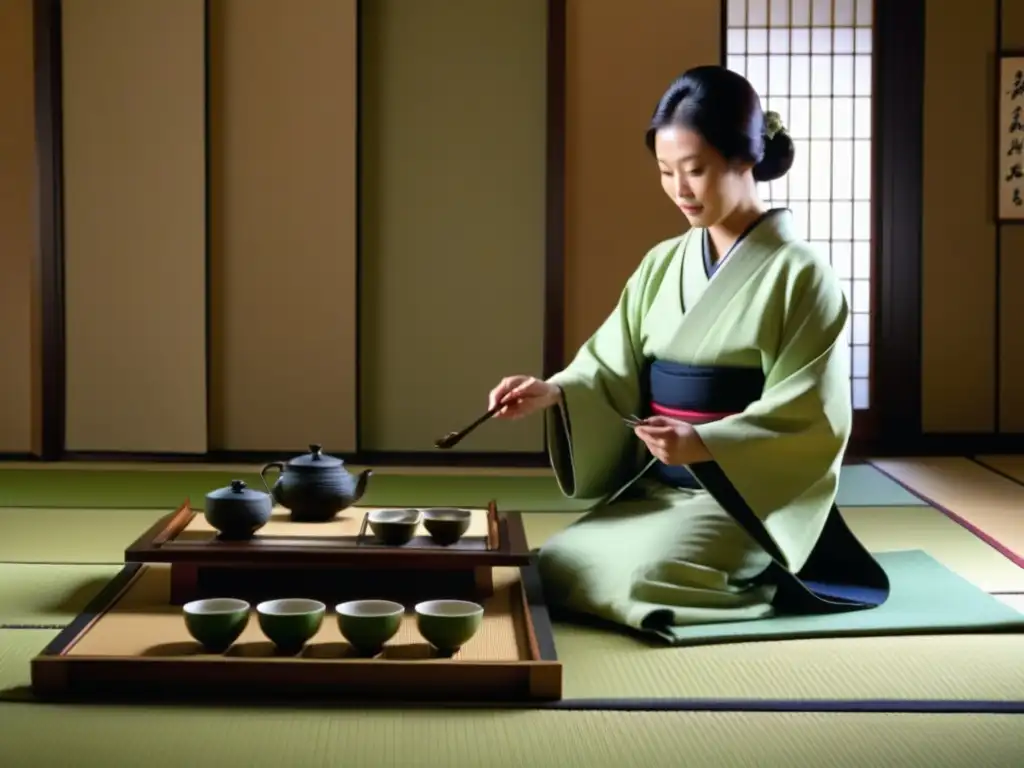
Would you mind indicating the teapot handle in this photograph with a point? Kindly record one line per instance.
(279, 466)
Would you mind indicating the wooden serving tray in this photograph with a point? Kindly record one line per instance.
(130, 642)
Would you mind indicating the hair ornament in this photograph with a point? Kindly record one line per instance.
(773, 124)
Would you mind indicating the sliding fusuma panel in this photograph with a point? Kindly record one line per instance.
(19, 330)
(452, 144)
(135, 225)
(283, 224)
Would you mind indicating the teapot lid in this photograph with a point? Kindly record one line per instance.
(237, 491)
(315, 459)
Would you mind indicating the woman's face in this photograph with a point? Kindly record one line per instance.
(696, 178)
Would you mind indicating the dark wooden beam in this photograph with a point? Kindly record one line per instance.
(554, 245)
(50, 211)
(898, 132)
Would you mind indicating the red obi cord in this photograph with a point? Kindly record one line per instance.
(684, 415)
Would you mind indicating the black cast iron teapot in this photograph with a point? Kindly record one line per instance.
(315, 487)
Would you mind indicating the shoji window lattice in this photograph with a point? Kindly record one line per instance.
(811, 61)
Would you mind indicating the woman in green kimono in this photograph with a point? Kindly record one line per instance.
(716, 502)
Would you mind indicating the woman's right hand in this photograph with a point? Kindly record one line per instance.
(523, 395)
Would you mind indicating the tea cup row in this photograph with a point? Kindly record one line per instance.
(290, 623)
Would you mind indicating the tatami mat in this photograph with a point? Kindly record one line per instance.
(49, 594)
(1011, 466)
(886, 529)
(861, 485)
(525, 490)
(601, 664)
(126, 737)
(44, 535)
(17, 648)
(890, 529)
(991, 505)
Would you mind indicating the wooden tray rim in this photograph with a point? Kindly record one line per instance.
(54, 673)
(150, 547)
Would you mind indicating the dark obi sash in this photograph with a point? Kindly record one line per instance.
(840, 574)
(696, 394)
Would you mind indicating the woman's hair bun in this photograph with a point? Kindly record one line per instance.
(778, 150)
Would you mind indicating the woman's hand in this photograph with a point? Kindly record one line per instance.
(673, 442)
(523, 395)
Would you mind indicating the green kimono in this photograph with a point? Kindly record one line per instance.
(758, 533)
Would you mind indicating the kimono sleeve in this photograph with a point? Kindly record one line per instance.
(590, 449)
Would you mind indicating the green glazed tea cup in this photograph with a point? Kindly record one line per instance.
(446, 525)
(368, 624)
(448, 624)
(292, 622)
(395, 527)
(216, 622)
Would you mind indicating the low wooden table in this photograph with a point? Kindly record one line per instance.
(333, 558)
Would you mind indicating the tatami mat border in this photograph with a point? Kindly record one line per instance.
(961, 521)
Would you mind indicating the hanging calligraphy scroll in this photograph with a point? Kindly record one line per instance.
(1010, 139)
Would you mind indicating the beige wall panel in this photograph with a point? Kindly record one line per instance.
(453, 197)
(958, 229)
(19, 382)
(135, 225)
(1011, 283)
(283, 224)
(620, 58)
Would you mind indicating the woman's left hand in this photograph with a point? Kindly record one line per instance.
(673, 442)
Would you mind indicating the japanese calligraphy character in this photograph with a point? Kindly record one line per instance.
(1015, 124)
(1018, 85)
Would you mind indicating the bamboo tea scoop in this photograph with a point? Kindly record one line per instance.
(454, 438)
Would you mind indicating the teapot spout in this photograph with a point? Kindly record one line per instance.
(364, 477)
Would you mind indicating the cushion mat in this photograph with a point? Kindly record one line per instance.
(925, 597)
(605, 664)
